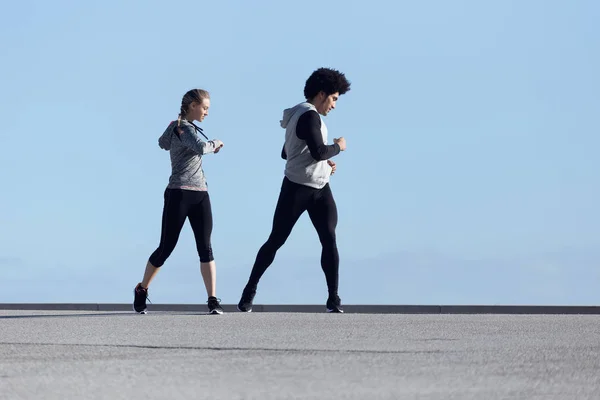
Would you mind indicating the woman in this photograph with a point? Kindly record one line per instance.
(186, 196)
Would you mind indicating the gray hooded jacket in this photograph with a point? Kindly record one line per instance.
(186, 150)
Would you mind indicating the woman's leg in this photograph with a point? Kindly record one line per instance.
(173, 218)
(209, 275)
(175, 212)
(201, 220)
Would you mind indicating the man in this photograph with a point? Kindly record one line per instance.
(306, 182)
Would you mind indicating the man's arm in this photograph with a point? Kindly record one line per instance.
(308, 129)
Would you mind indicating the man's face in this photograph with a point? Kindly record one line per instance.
(325, 104)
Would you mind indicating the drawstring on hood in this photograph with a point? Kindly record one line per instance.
(186, 149)
(164, 141)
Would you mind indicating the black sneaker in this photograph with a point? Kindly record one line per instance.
(334, 304)
(139, 299)
(214, 306)
(245, 304)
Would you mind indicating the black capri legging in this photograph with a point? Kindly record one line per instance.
(179, 205)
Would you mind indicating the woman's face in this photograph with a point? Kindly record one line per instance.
(199, 111)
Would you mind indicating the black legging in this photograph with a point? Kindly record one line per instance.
(179, 205)
(294, 199)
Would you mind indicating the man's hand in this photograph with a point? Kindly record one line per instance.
(341, 142)
(332, 165)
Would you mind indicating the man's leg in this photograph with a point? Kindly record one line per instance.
(292, 202)
(324, 216)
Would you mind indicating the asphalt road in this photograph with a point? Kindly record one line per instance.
(169, 355)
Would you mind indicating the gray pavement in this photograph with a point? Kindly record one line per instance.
(318, 308)
(189, 355)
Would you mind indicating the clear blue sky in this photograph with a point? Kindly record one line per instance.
(471, 176)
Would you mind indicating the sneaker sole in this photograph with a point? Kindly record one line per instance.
(215, 312)
(238, 307)
(335, 311)
(139, 312)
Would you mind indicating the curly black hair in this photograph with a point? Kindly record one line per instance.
(327, 80)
